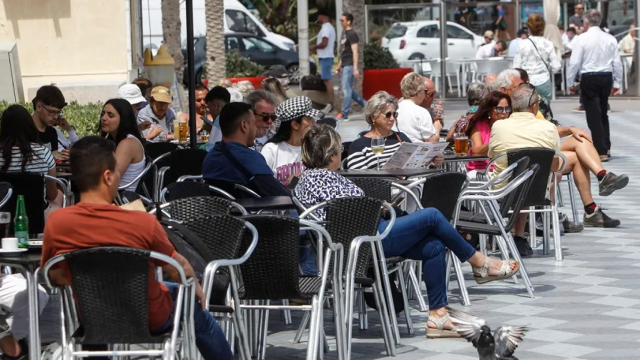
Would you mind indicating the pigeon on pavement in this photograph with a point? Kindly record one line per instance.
(499, 346)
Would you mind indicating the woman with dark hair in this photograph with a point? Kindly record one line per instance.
(274, 86)
(21, 151)
(282, 151)
(496, 106)
(119, 124)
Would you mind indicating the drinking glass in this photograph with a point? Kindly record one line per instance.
(5, 223)
(461, 144)
(377, 147)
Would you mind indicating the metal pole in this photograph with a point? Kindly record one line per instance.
(565, 17)
(636, 51)
(518, 16)
(443, 49)
(303, 37)
(191, 76)
(338, 27)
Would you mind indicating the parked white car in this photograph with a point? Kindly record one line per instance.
(421, 40)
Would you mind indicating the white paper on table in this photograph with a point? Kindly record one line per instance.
(414, 155)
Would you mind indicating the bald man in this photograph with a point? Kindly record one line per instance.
(490, 81)
(435, 110)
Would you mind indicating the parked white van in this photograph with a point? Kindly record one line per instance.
(237, 19)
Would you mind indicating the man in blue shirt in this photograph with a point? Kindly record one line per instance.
(231, 161)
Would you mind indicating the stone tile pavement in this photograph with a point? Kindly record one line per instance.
(586, 307)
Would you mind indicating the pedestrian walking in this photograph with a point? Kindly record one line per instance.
(596, 57)
(324, 48)
(348, 65)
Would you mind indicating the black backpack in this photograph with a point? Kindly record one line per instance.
(187, 244)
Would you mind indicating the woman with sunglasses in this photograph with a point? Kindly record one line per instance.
(381, 114)
(496, 106)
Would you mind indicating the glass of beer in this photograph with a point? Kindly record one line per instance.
(183, 130)
(176, 130)
(5, 223)
(461, 144)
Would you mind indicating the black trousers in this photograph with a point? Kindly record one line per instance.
(595, 90)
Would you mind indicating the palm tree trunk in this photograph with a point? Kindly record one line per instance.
(214, 12)
(171, 34)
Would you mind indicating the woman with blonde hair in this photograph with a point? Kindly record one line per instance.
(414, 120)
(537, 56)
(274, 86)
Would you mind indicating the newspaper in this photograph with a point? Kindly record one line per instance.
(414, 155)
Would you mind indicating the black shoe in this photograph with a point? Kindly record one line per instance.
(600, 219)
(612, 182)
(523, 246)
(569, 226)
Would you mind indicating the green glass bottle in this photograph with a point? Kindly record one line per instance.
(21, 224)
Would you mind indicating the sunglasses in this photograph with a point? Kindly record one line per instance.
(389, 114)
(266, 117)
(429, 94)
(503, 109)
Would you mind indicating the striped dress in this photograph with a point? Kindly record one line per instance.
(361, 156)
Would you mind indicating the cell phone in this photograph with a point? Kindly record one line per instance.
(293, 182)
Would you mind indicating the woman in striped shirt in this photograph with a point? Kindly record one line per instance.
(21, 151)
(381, 114)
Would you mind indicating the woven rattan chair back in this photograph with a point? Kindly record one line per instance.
(544, 158)
(272, 271)
(374, 187)
(348, 218)
(185, 189)
(197, 207)
(31, 185)
(441, 191)
(110, 286)
(521, 194)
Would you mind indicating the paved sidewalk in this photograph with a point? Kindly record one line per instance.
(586, 307)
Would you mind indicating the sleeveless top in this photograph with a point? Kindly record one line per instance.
(485, 132)
(133, 170)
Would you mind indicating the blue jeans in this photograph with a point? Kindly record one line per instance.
(426, 235)
(347, 91)
(210, 339)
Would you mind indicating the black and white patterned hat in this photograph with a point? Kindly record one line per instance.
(294, 108)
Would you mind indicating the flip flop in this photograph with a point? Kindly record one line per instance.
(481, 275)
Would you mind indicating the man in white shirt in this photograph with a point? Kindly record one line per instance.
(595, 56)
(567, 39)
(627, 45)
(523, 34)
(324, 47)
(490, 50)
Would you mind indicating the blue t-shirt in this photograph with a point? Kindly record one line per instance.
(501, 13)
(217, 166)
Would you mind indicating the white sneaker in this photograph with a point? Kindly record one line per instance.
(327, 109)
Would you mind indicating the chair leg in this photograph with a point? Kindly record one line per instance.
(302, 327)
(572, 198)
(312, 348)
(384, 318)
(363, 319)
(516, 255)
(461, 283)
(416, 285)
(405, 298)
(557, 242)
(545, 231)
(532, 228)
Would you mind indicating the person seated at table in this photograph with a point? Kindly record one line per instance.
(496, 106)
(204, 121)
(491, 50)
(159, 113)
(21, 152)
(582, 158)
(273, 86)
(423, 235)
(96, 222)
(118, 124)
(435, 108)
(381, 114)
(475, 93)
(231, 161)
(414, 120)
(263, 104)
(282, 152)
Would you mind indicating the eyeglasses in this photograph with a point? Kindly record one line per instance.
(389, 114)
(51, 112)
(266, 117)
(503, 109)
(427, 93)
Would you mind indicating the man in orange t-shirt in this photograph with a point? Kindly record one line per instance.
(96, 222)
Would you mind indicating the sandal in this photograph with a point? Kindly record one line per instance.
(439, 332)
(481, 275)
